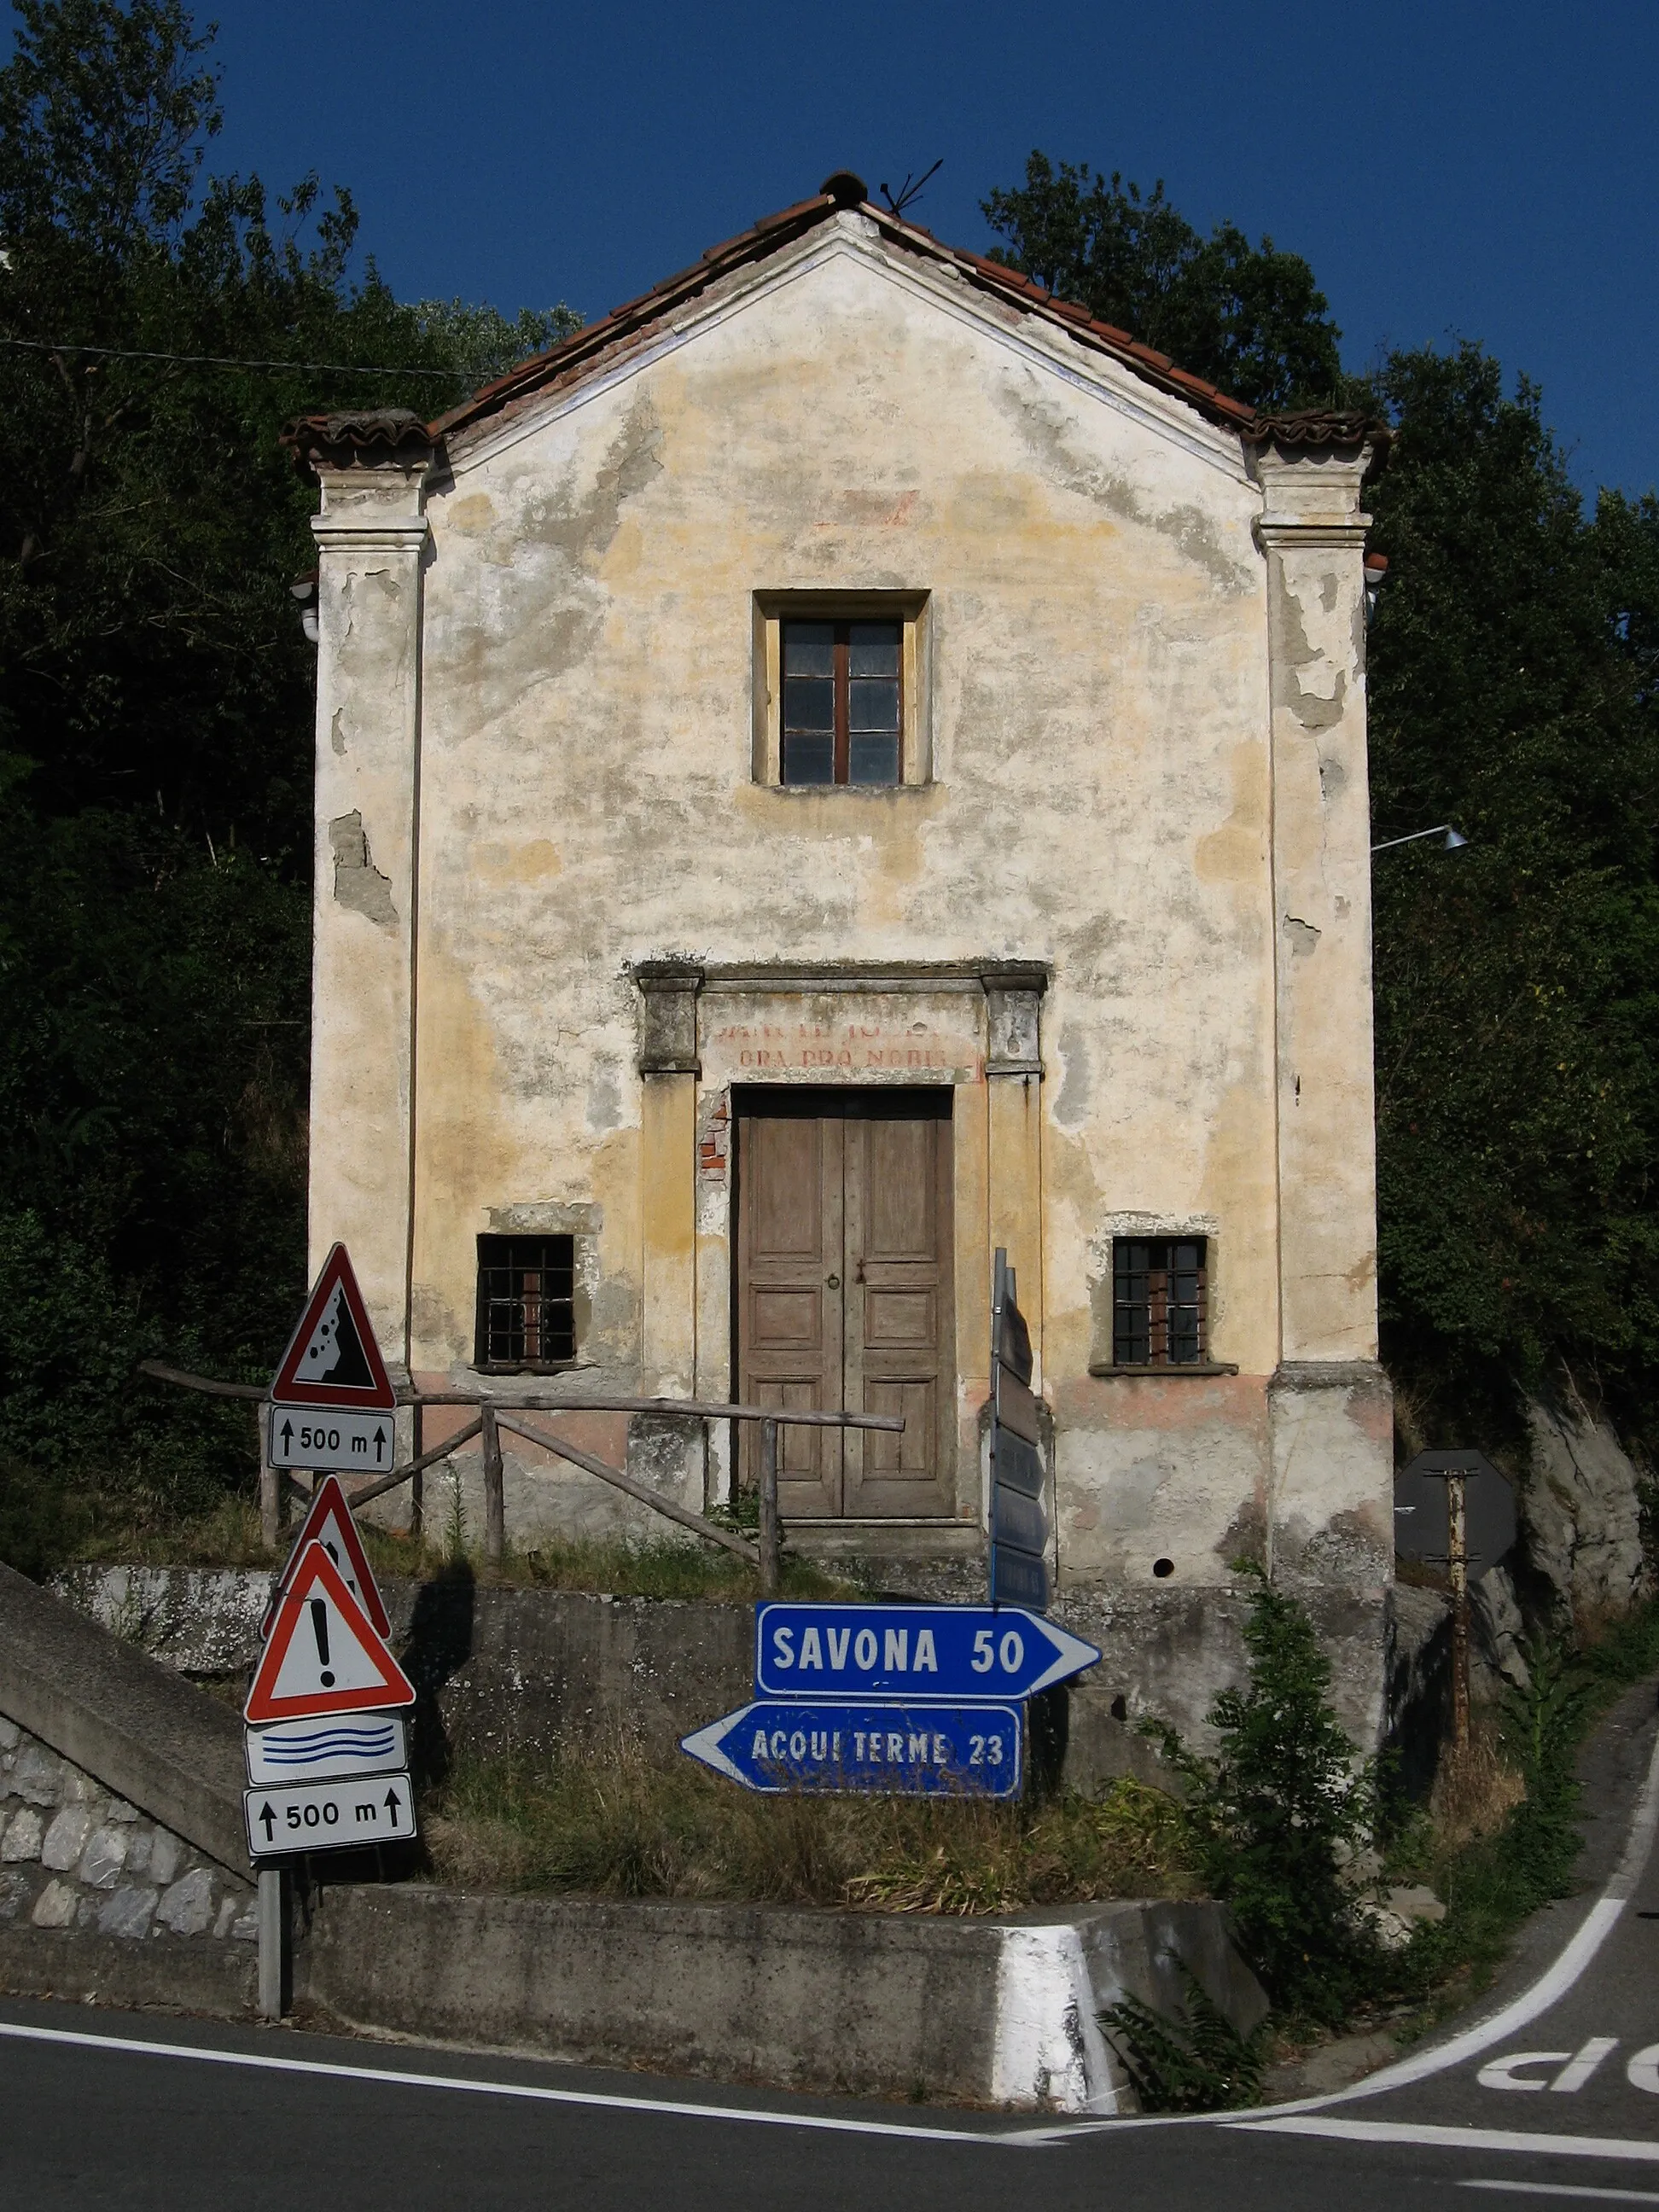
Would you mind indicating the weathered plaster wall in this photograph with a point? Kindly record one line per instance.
(1117, 665)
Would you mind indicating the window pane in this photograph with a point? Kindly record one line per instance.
(873, 705)
(809, 757)
(872, 756)
(809, 648)
(809, 703)
(874, 648)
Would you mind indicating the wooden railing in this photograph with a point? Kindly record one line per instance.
(495, 1413)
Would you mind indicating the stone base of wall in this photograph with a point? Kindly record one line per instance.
(97, 1901)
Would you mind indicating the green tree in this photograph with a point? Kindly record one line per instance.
(1512, 693)
(156, 704)
(1248, 318)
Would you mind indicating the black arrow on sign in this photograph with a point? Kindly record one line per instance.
(287, 1436)
(392, 1806)
(267, 1820)
(380, 1442)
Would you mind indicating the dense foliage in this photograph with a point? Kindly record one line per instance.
(1248, 318)
(155, 719)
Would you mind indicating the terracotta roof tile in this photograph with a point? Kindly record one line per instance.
(627, 327)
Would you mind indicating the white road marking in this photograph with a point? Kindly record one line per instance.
(1548, 1990)
(1643, 2071)
(1585, 2061)
(1444, 2138)
(1566, 2189)
(1501, 2074)
(822, 2123)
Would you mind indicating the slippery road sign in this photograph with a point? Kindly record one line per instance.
(324, 1654)
(329, 1749)
(812, 1747)
(951, 1652)
(332, 1358)
(328, 1816)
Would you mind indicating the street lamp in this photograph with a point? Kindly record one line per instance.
(1453, 838)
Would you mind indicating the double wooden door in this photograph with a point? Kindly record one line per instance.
(844, 1293)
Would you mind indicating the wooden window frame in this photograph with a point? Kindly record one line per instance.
(912, 611)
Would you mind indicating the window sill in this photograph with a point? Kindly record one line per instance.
(1199, 1369)
(848, 790)
(529, 1367)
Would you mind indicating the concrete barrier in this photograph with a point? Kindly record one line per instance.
(988, 2012)
(119, 1715)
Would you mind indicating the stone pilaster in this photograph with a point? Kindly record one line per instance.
(370, 537)
(1013, 1080)
(669, 1068)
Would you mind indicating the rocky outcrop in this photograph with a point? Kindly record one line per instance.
(1580, 1516)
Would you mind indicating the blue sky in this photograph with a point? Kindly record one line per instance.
(1446, 169)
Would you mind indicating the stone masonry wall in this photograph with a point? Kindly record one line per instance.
(96, 1898)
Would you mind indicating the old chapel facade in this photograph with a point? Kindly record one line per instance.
(843, 765)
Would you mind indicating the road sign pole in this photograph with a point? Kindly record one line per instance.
(270, 1490)
(1457, 1562)
(768, 1509)
(273, 1941)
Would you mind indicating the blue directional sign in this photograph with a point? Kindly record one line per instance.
(812, 1747)
(951, 1652)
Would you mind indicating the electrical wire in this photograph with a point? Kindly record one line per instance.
(223, 360)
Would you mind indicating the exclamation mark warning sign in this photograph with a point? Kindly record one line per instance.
(324, 1654)
(319, 1629)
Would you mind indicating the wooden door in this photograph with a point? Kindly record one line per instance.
(843, 1294)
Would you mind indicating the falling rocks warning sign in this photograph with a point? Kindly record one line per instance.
(324, 1654)
(332, 1358)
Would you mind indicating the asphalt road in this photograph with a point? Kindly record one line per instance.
(1557, 2097)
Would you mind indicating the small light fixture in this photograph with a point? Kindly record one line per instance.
(1376, 575)
(304, 589)
(1453, 838)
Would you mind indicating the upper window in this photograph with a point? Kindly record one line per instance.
(527, 1303)
(1158, 1302)
(843, 702)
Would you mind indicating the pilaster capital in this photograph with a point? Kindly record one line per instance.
(1014, 1000)
(668, 1024)
(1311, 497)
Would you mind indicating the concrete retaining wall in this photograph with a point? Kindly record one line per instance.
(982, 2011)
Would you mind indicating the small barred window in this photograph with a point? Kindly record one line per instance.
(1159, 1317)
(527, 1303)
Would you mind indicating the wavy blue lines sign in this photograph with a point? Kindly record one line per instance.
(337, 1745)
(814, 1748)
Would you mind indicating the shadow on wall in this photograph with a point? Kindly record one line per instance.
(440, 1645)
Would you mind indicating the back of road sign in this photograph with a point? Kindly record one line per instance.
(329, 1522)
(324, 1654)
(1020, 1524)
(332, 1358)
(1421, 1518)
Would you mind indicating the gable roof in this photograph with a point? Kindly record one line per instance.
(383, 433)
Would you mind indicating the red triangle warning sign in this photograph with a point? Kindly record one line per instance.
(333, 1359)
(329, 1522)
(324, 1654)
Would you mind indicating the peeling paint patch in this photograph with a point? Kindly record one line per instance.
(337, 734)
(358, 884)
(1303, 938)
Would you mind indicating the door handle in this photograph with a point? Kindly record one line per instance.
(834, 1281)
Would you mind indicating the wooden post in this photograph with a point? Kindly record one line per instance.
(1457, 1561)
(494, 1501)
(769, 1509)
(418, 1482)
(271, 1485)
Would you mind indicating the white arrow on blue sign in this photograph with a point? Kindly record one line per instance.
(810, 1745)
(951, 1652)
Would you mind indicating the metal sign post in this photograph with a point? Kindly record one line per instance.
(1440, 1520)
(1019, 1559)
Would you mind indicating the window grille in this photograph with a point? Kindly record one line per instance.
(527, 1303)
(1158, 1302)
